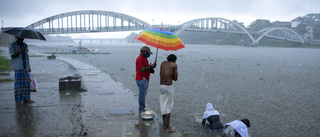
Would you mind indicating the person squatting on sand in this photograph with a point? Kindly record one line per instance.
(143, 70)
(20, 63)
(211, 118)
(168, 72)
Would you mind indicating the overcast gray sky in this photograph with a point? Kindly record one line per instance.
(22, 13)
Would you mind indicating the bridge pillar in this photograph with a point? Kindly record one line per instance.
(253, 44)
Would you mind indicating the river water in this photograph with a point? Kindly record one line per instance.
(277, 89)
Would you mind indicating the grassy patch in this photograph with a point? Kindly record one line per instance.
(6, 80)
(5, 64)
(114, 79)
(185, 135)
(203, 60)
(276, 82)
(36, 56)
(64, 53)
(122, 69)
(4, 74)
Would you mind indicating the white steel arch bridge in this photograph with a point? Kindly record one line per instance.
(88, 21)
(216, 24)
(279, 33)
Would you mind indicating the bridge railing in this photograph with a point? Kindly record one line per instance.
(167, 26)
(88, 29)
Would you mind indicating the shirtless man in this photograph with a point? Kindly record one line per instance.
(168, 72)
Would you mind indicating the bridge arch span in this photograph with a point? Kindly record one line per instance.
(85, 21)
(213, 24)
(280, 33)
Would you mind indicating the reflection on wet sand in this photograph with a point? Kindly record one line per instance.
(25, 118)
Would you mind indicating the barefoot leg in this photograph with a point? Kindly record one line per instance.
(164, 122)
(169, 129)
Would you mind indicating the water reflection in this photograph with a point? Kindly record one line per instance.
(69, 97)
(25, 118)
(143, 127)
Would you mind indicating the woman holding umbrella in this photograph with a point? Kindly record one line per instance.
(21, 65)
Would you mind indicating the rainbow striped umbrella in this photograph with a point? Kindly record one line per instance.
(160, 39)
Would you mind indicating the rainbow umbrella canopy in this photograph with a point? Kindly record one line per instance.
(160, 39)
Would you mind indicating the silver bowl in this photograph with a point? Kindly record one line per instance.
(147, 115)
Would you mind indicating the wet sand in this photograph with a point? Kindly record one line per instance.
(277, 89)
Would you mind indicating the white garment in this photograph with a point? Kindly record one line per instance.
(166, 99)
(229, 132)
(209, 111)
(240, 127)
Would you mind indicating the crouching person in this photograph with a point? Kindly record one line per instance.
(237, 128)
(211, 118)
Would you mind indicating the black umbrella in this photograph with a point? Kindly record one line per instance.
(22, 32)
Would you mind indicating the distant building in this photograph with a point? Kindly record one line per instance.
(303, 28)
(286, 24)
(309, 34)
(295, 22)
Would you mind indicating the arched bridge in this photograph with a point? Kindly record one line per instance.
(88, 21)
(279, 33)
(216, 24)
(213, 25)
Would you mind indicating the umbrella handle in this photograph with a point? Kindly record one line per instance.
(156, 55)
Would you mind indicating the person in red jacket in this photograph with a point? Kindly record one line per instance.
(143, 70)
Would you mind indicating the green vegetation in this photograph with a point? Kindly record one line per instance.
(185, 135)
(36, 56)
(114, 79)
(203, 60)
(64, 53)
(280, 43)
(6, 80)
(276, 82)
(5, 64)
(4, 74)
